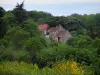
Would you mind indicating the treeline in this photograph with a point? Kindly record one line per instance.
(20, 39)
(75, 22)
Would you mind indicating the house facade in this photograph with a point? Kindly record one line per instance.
(57, 33)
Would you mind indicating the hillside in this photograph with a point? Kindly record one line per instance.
(25, 51)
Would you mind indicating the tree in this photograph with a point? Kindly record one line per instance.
(35, 15)
(75, 23)
(30, 26)
(2, 12)
(33, 46)
(69, 23)
(17, 37)
(9, 19)
(97, 27)
(92, 25)
(3, 26)
(20, 13)
(56, 20)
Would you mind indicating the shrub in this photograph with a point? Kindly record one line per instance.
(22, 68)
(14, 68)
(8, 54)
(22, 55)
(69, 68)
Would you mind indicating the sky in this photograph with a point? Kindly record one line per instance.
(56, 7)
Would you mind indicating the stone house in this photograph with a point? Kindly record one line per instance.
(57, 33)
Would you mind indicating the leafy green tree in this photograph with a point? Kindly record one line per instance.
(2, 12)
(97, 27)
(3, 29)
(56, 20)
(31, 27)
(96, 62)
(17, 37)
(78, 16)
(53, 21)
(38, 14)
(75, 24)
(33, 44)
(96, 44)
(80, 41)
(9, 19)
(41, 20)
(92, 25)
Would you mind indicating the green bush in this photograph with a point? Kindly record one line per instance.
(22, 56)
(8, 54)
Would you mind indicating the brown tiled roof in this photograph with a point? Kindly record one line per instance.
(63, 33)
(53, 29)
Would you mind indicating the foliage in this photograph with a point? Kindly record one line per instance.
(31, 27)
(3, 26)
(69, 67)
(2, 12)
(68, 52)
(22, 56)
(33, 44)
(20, 13)
(36, 15)
(80, 41)
(20, 40)
(7, 54)
(12, 68)
(22, 68)
(9, 18)
(17, 36)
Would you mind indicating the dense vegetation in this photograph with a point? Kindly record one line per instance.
(22, 68)
(22, 45)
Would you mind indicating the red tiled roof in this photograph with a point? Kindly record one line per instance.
(43, 27)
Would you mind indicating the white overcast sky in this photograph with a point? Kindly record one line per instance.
(48, 1)
(56, 7)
